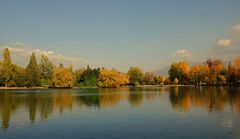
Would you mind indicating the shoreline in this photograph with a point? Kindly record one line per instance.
(22, 88)
(89, 87)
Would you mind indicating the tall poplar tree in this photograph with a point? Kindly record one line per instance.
(8, 74)
(33, 72)
(46, 69)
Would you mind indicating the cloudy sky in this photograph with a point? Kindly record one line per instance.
(110, 33)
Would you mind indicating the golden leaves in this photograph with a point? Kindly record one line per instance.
(112, 78)
(62, 77)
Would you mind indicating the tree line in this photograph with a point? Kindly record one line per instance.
(211, 72)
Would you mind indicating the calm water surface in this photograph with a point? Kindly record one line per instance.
(149, 112)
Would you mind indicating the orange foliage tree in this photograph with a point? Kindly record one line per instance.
(179, 71)
(198, 73)
(217, 72)
(237, 67)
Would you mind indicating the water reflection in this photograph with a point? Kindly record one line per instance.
(211, 98)
(46, 103)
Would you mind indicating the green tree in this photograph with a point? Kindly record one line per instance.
(1, 74)
(7, 68)
(78, 75)
(19, 76)
(136, 75)
(6, 57)
(46, 69)
(89, 77)
(33, 72)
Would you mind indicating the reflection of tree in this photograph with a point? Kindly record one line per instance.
(151, 93)
(107, 98)
(91, 100)
(235, 99)
(211, 98)
(6, 113)
(135, 98)
(179, 98)
(8, 104)
(216, 98)
(62, 101)
(41, 102)
(32, 107)
(101, 97)
(45, 103)
(88, 97)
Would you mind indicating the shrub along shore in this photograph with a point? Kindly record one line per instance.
(47, 75)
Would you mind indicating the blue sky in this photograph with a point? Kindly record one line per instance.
(121, 33)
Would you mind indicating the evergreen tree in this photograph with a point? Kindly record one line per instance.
(1, 74)
(33, 72)
(6, 57)
(46, 69)
(89, 77)
(8, 75)
(19, 75)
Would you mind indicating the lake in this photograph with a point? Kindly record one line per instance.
(144, 112)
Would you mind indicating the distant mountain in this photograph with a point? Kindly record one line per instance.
(164, 71)
(226, 63)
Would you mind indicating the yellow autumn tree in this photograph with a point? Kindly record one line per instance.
(112, 78)
(198, 73)
(62, 77)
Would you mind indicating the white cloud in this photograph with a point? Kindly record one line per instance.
(226, 48)
(224, 42)
(37, 50)
(230, 46)
(21, 44)
(236, 28)
(182, 53)
(21, 52)
(50, 52)
(18, 43)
